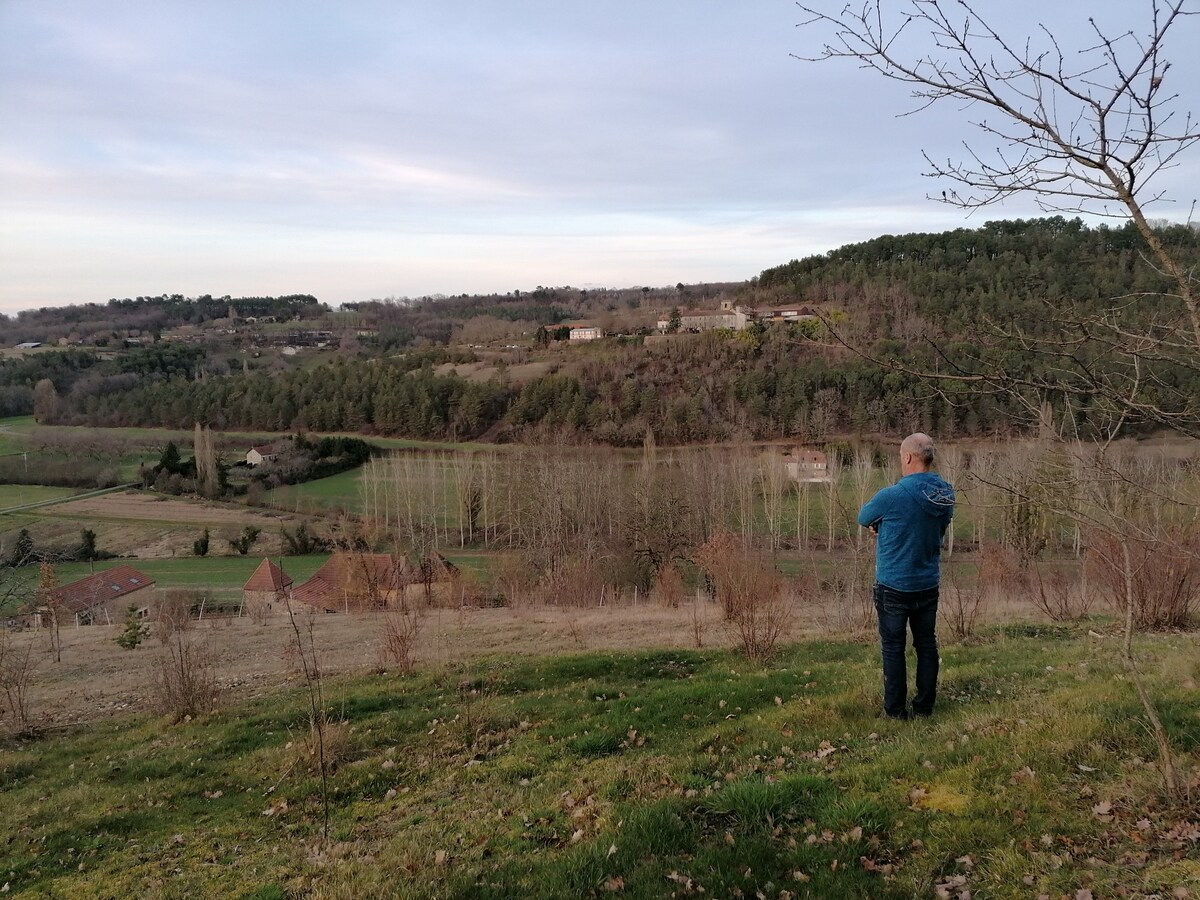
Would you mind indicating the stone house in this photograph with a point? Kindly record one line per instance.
(265, 591)
(99, 599)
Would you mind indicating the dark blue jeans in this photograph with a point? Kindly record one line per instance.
(899, 611)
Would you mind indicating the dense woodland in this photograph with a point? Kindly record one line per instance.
(923, 298)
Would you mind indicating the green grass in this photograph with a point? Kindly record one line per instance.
(218, 572)
(337, 493)
(656, 773)
(19, 494)
(12, 431)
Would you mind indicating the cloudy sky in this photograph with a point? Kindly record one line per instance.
(369, 149)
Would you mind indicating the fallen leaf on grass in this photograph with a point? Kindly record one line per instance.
(871, 865)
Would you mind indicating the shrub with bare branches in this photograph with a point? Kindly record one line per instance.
(516, 578)
(399, 630)
(961, 608)
(755, 599)
(186, 685)
(1163, 577)
(1060, 596)
(173, 613)
(669, 589)
(17, 665)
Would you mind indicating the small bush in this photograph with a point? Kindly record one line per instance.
(17, 665)
(1060, 596)
(134, 632)
(753, 595)
(186, 686)
(669, 589)
(173, 614)
(398, 634)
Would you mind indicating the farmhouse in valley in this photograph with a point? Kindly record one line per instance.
(351, 582)
(264, 453)
(807, 464)
(99, 599)
(582, 331)
(266, 589)
(737, 318)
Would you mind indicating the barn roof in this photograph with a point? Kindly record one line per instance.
(349, 578)
(268, 578)
(96, 589)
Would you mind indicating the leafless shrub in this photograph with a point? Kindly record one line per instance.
(516, 578)
(576, 632)
(17, 665)
(1000, 572)
(186, 686)
(399, 630)
(961, 608)
(699, 622)
(1060, 596)
(575, 582)
(173, 613)
(753, 595)
(303, 650)
(467, 589)
(850, 608)
(669, 589)
(1163, 575)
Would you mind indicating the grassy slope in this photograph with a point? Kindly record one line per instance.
(653, 772)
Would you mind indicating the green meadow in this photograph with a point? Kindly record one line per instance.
(643, 774)
(18, 495)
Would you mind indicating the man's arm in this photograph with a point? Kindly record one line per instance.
(873, 510)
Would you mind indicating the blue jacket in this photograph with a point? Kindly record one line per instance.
(911, 517)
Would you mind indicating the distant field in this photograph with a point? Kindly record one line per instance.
(11, 430)
(12, 495)
(337, 493)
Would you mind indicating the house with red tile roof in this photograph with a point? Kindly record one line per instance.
(350, 582)
(99, 599)
(266, 589)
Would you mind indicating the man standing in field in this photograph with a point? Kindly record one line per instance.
(910, 520)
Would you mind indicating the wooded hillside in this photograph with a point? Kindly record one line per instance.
(925, 298)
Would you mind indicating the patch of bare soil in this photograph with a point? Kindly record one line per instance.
(158, 508)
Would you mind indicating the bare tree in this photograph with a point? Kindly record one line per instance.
(1083, 130)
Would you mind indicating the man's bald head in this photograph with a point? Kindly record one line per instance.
(916, 453)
